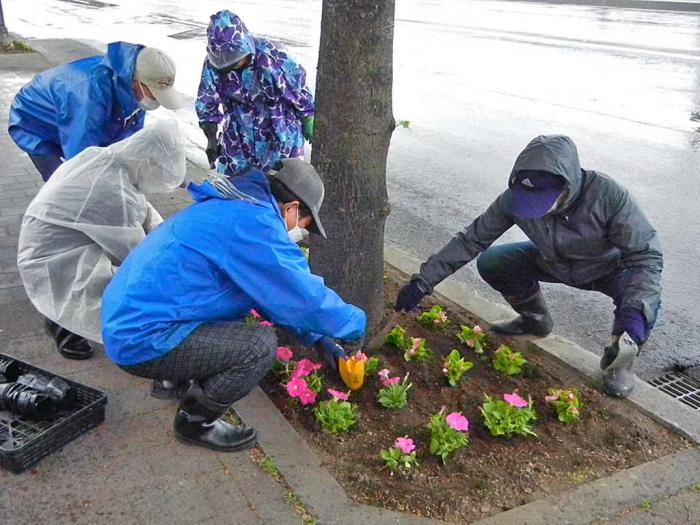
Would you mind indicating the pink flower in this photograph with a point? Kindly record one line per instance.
(255, 314)
(445, 371)
(360, 357)
(266, 323)
(458, 422)
(441, 319)
(390, 381)
(296, 386)
(341, 396)
(307, 397)
(515, 400)
(405, 444)
(416, 341)
(384, 374)
(549, 399)
(284, 354)
(477, 330)
(304, 368)
(571, 396)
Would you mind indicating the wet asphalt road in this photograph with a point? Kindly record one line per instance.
(477, 81)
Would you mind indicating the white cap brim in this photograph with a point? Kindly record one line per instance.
(169, 98)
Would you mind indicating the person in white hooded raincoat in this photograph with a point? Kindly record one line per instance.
(84, 222)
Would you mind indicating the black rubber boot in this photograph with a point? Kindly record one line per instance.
(169, 391)
(534, 318)
(68, 344)
(198, 422)
(617, 365)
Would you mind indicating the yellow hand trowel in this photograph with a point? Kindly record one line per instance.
(352, 371)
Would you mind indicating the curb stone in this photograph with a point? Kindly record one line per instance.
(659, 406)
(629, 488)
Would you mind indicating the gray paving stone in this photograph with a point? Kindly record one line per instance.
(179, 501)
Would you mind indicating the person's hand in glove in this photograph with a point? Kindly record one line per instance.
(308, 128)
(213, 149)
(330, 351)
(409, 297)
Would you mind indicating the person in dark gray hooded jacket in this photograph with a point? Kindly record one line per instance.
(585, 231)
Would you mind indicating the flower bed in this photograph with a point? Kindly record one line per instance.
(516, 426)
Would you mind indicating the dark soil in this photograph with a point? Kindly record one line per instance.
(490, 474)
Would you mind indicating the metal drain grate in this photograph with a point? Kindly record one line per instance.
(680, 386)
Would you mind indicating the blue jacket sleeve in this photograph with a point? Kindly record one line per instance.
(274, 273)
(82, 115)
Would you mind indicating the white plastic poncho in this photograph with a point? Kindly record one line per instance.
(88, 217)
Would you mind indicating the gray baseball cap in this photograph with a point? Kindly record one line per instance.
(302, 180)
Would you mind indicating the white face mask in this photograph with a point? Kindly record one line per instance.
(298, 234)
(147, 103)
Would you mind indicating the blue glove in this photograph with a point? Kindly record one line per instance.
(330, 351)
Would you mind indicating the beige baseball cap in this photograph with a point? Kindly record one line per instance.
(156, 70)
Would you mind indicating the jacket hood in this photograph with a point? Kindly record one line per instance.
(553, 154)
(218, 186)
(228, 36)
(121, 59)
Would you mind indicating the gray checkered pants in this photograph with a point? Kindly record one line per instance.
(227, 358)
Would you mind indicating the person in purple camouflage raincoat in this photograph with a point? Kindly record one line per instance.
(257, 94)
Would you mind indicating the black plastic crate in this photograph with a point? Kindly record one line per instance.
(23, 441)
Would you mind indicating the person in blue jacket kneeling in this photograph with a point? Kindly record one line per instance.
(175, 309)
(95, 101)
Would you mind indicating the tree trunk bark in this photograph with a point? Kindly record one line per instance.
(354, 123)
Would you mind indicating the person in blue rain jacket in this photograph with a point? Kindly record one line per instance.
(95, 101)
(175, 309)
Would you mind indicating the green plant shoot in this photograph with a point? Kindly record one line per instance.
(395, 396)
(417, 351)
(508, 362)
(434, 318)
(336, 416)
(504, 419)
(567, 404)
(395, 460)
(397, 338)
(372, 366)
(445, 440)
(475, 338)
(455, 367)
(314, 382)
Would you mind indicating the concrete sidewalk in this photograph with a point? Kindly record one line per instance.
(130, 469)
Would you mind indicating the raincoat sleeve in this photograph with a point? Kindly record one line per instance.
(153, 218)
(287, 78)
(208, 99)
(632, 233)
(82, 113)
(466, 245)
(274, 273)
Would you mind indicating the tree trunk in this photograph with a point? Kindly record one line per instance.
(354, 123)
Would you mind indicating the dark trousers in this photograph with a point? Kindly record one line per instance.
(512, 269)
(46, 164)
(228, 359)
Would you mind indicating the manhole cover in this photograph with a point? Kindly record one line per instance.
(680, 386)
